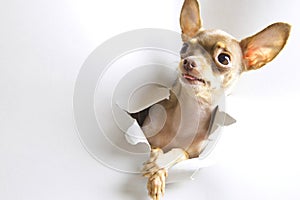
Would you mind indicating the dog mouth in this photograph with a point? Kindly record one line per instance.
(194, 80)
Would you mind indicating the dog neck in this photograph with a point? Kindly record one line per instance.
(192, 96)
(193, 103)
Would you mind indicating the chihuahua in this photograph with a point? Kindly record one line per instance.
(211, 62)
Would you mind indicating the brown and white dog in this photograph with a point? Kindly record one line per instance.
(211, 62)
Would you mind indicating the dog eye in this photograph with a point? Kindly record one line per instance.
(224, 59)
(184, 48)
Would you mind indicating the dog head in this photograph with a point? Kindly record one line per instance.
(213, 60)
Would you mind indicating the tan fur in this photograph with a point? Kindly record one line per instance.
(211, 63)
(250, 53)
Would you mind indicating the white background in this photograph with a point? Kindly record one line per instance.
(42, 47)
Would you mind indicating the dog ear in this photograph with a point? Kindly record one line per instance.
(264, 46)
(190, 21)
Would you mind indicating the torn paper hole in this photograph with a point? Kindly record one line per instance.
(131, 97)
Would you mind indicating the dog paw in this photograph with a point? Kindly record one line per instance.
(156, 168)
(156, 184)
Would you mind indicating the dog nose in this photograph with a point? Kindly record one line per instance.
(189, 64)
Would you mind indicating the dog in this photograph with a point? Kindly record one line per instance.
(211, 63)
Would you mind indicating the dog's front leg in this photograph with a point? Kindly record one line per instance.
(156, 169)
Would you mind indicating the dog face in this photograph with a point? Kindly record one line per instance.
(212, 59)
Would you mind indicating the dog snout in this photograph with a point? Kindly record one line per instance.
(188, 64)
